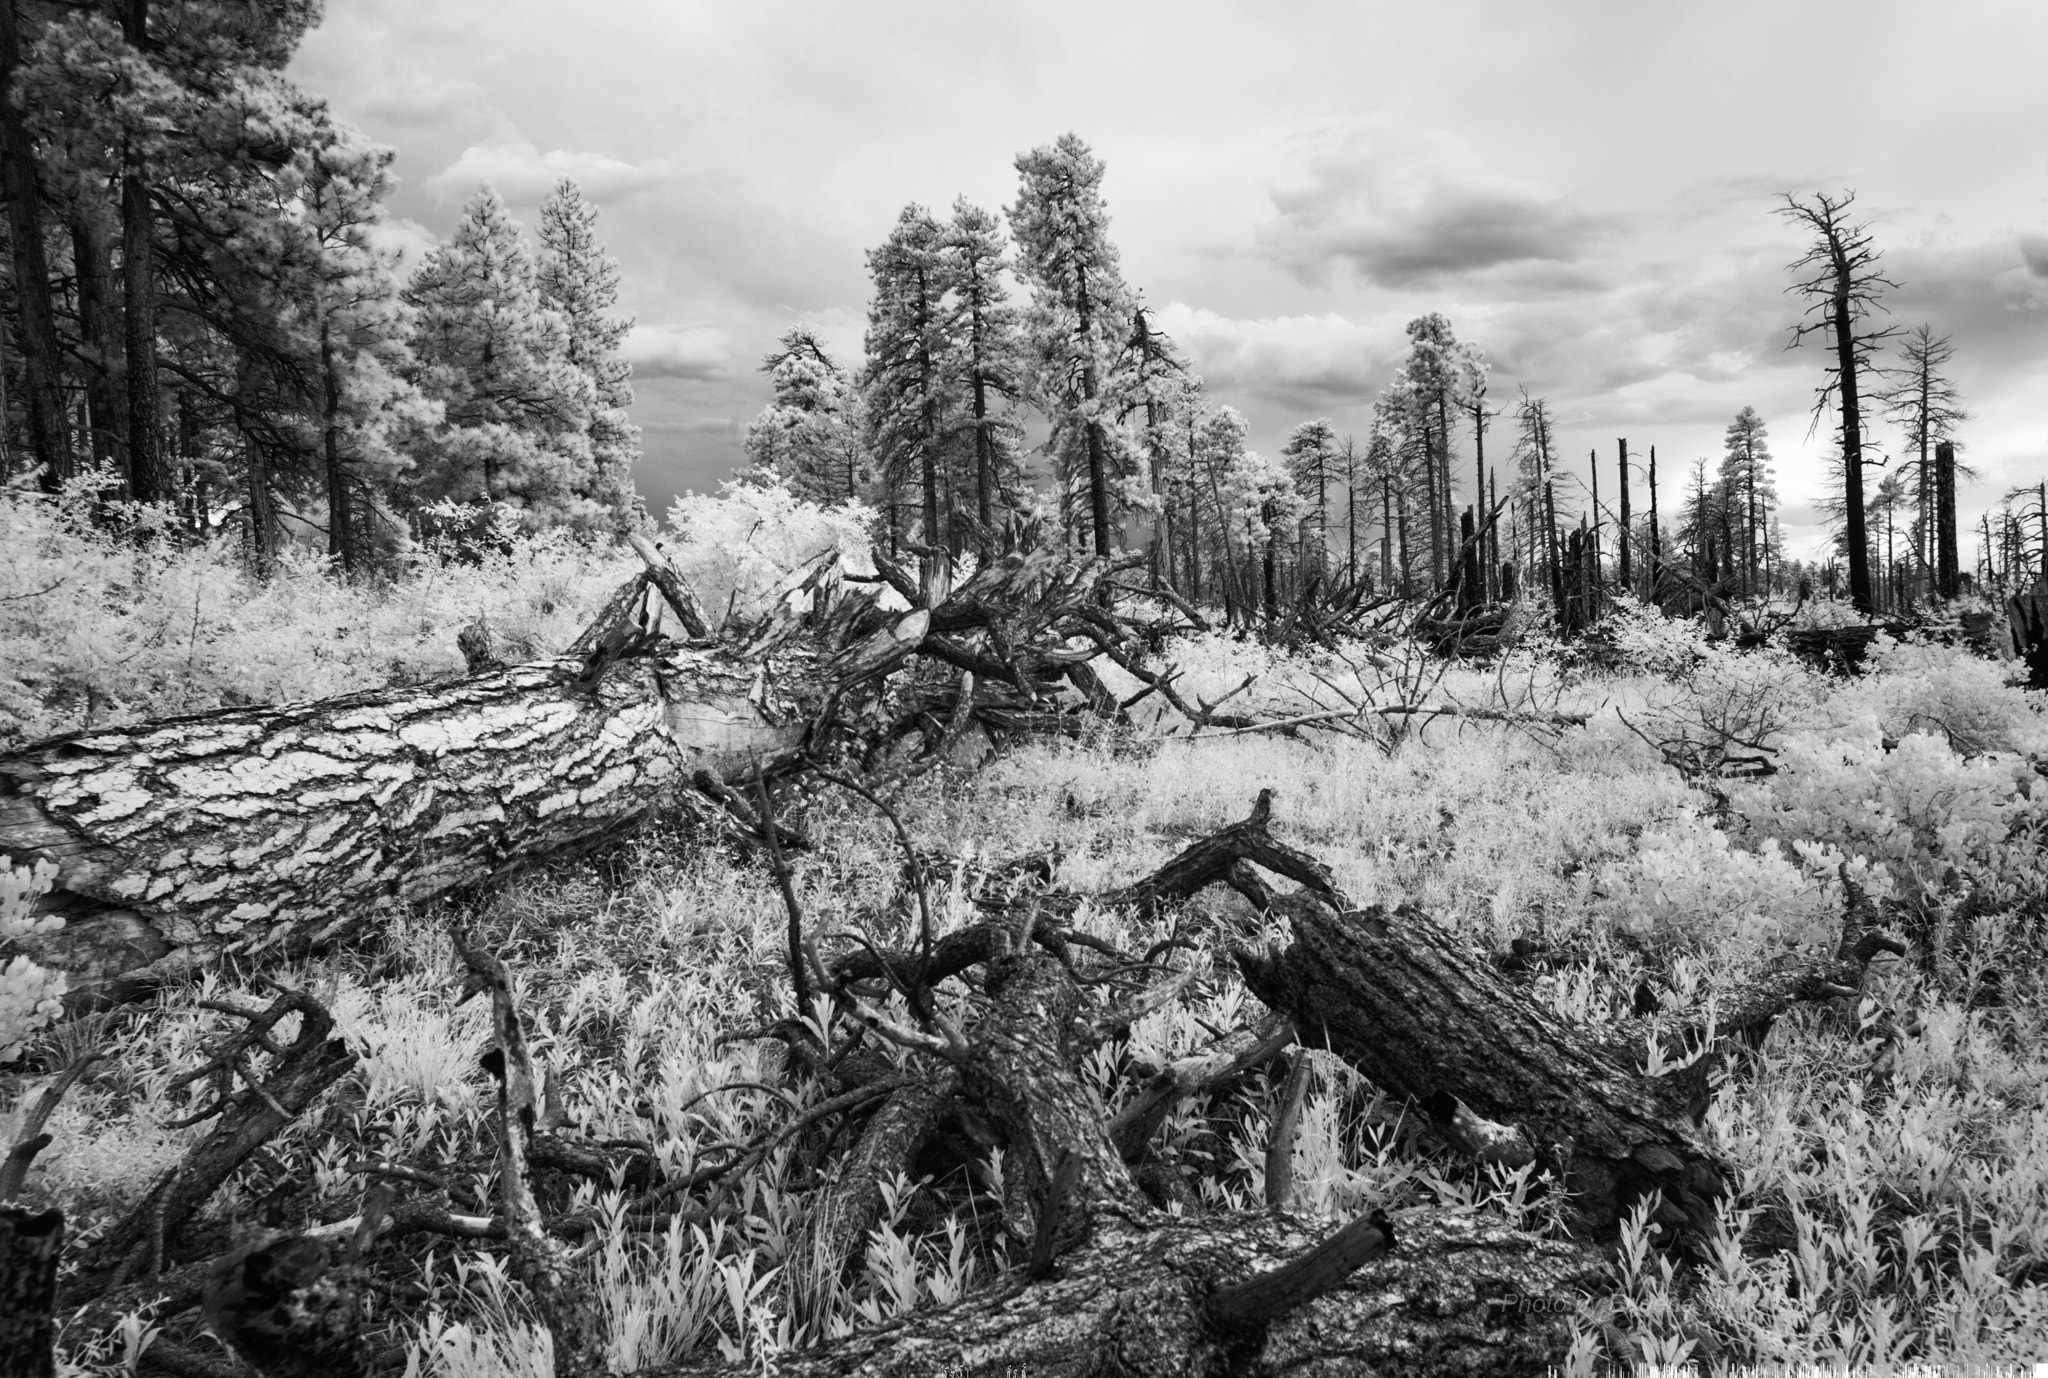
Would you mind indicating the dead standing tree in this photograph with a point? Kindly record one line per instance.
(1843, 287)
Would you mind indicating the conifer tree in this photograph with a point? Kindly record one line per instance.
(987, 354)
(903, 385)
(1428, 390)
(1151, 384)
(516, 411)
(579, 279)
(1745, 477)
(358, 325)
(809, 436)
(1078, 305)
(1311, 456)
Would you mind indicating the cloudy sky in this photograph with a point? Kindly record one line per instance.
(1585, 187)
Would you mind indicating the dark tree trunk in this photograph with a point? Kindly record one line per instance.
(1424, 1017)
(42, 400)
(99, 327)
(264, 533)
(1947, 559)
(1628, 576)
(30, 1245)
(1846, 364)
(341, 517)
(147, 479)
(1656, 538)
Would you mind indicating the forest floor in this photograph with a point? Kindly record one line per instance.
(1892, 1151)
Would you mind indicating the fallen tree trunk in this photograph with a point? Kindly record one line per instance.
(1116, 1286)
(266, 831)
(270, 830)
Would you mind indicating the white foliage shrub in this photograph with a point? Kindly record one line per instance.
(30, 996)
(736, 549)
(1915, 686)
(1914, 812)
(96, 629)
(1686, 880)
(1646, 640)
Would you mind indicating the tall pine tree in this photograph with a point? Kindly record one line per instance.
(903, 385)
(1079, 306)
(987, 357)
(516, 411)
(580, 280)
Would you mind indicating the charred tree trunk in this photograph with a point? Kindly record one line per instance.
(1947, 560)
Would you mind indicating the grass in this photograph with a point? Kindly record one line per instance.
(1893, 1156)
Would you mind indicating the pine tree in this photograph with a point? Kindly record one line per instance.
(1430, 393)
(809, 436)
(903, 385)
(1078, 304)
(1745, 476)
(1151, 385)
(987, 356)
(1311, 454)
(580, 280)
(358, 325)
(1535, 459)
(516, 411)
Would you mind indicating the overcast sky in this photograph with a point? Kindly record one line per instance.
(1584, 188)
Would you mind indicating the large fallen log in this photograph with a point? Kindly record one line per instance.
(1117, 1286)
(271, 830)
(266, 831)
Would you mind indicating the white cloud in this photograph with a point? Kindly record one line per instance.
(699, 352)
(521, 172)
(408, 239)
(1316, 360)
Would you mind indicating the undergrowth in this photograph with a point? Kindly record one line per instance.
(1892, 1151)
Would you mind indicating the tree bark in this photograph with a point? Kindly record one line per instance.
(272, 829)
(1421, 1016)
(98, 327)
(43, 401)
(1947, 561)
(1132, 1290)
(30, 1245)
(148, 479)
(1458, 1295)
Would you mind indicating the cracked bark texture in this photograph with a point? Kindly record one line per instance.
(1459, 1295)
(273, 829)
(1422, 1016)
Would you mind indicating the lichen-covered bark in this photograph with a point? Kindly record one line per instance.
(273, 829)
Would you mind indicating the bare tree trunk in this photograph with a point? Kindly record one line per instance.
(1947, 563)
(1628, 578)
